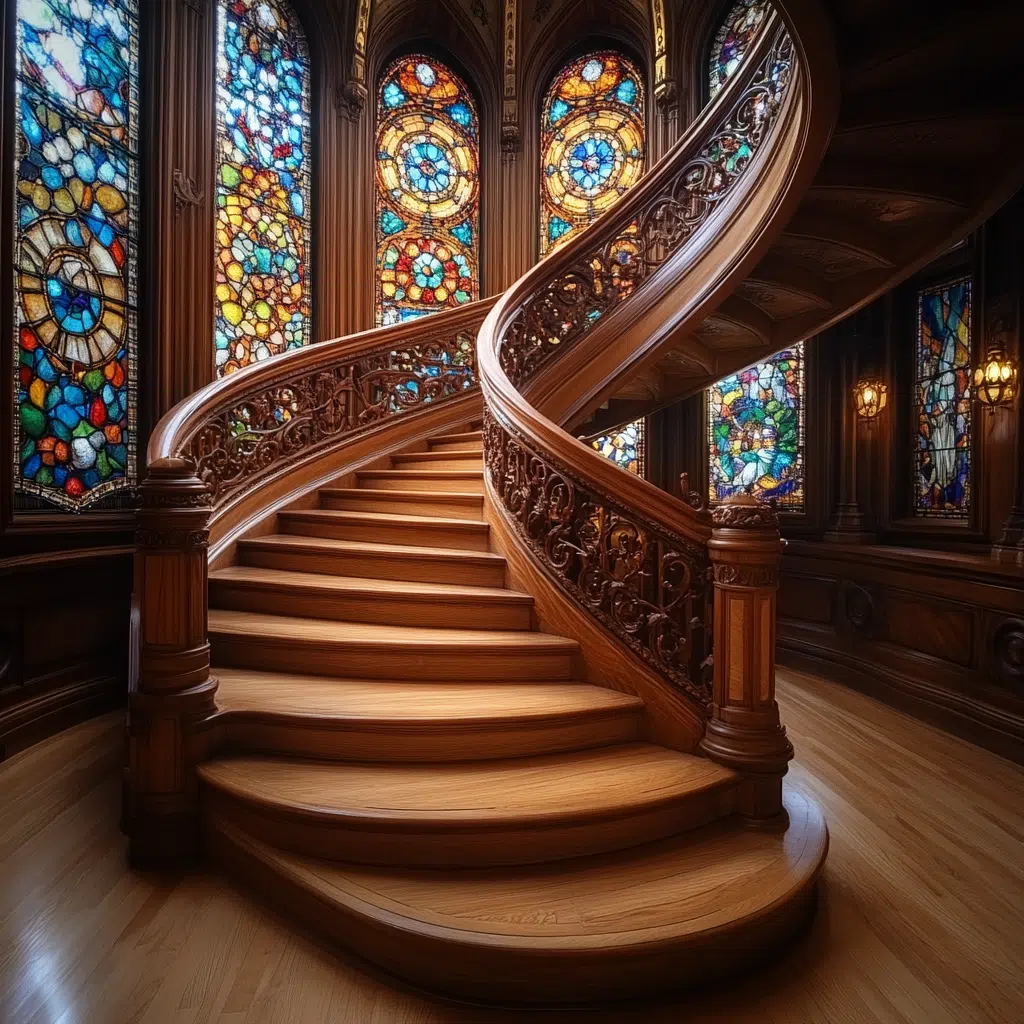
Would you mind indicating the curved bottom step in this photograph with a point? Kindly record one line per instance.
(635, 922)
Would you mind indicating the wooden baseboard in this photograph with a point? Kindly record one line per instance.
(993, 728)
(48, 710)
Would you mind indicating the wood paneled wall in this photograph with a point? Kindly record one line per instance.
(924, 613)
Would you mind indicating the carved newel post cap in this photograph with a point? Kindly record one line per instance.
(744, 512)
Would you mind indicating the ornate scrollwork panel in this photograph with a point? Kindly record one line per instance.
(302, 413)
(649, 587)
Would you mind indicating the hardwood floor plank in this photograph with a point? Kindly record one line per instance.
(921, 917)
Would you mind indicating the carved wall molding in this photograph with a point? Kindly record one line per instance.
(186, 192)
(198, 6)
(541, 9)
(510, 140)
(350, 98)
(1008, 652)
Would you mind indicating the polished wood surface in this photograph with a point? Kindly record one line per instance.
(921, 915)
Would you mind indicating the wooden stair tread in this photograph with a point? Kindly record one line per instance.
(331, 545)
(284, 579)
(554, 789)
(399, 638)
(673, 891)
(373, 701)
(346, 516)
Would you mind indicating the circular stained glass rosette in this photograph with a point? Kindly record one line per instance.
(72, 292)
(426, 272)
(427, 167)
(592, 162)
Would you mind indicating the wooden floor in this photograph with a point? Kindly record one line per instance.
(921, 918)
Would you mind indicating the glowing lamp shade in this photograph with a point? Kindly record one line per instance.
(995, 381)
(870, 396)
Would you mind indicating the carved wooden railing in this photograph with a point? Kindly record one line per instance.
(240, 442)
(658, 574)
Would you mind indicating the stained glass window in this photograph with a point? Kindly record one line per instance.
(943, 401)
(76, 208)
(733, 39)
(263, 303)
(428, 191)
(756, 432)
(624, 447)
(591, 142)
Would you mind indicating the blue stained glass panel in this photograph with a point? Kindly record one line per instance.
(756, 432)
(76, 208)
(943, 402)
(625, 447)
(263, 302)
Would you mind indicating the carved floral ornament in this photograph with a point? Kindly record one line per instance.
(744, 512)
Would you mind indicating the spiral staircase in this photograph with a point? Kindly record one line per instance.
(443, 684)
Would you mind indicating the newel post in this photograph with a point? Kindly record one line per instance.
(175, 690)
(744, 732)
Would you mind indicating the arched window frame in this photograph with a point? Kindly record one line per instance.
(286, 312)
(454, 253)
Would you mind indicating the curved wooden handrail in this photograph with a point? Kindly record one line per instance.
(629, 553)
(260, 421)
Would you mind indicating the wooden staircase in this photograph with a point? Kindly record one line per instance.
(409, 765)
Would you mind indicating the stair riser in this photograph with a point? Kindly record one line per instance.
(475, 445)
(409, 844)
(384, 610)
(425, 461)
(453, 508)
(370, 566)
(455, 484)
(360, 661)
(442, 963)
(442, 742)
(462, 539)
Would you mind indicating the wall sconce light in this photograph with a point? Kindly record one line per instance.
(995, 381)
(870, 395)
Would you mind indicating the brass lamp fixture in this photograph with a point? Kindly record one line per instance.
(870, 395)
(995, 381)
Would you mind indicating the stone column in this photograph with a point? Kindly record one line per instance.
(744, 732)
(175, 690)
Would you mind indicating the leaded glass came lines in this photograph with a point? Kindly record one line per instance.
(592, 143)
(263, 302)
(428, 191)
(732, 40)
(756, 432)
(942, 401)
(76, 208)
(624, 447)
